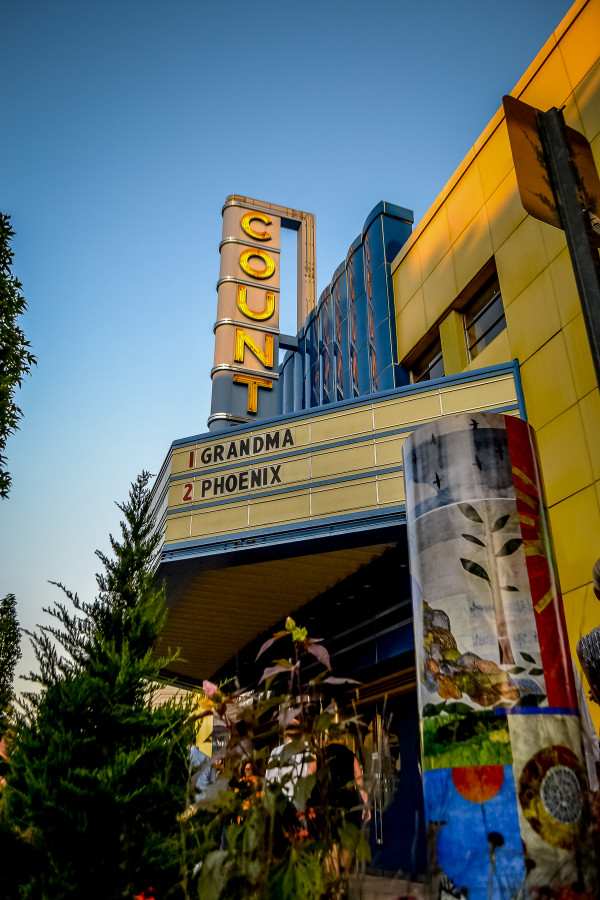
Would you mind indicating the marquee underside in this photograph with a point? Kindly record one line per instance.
(213, 612)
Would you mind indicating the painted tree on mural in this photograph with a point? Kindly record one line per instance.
(490, 573)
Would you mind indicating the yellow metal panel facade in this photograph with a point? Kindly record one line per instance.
(230, 517)
(292, 509)
(390, 489)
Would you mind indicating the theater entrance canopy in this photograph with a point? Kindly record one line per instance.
(260, 520)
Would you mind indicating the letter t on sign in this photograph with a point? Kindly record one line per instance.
(253, 386)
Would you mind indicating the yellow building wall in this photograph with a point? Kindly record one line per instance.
(479, 215)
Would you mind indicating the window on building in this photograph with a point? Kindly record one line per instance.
(429, 364)
(484, 317)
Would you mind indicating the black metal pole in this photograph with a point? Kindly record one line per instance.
(577, 225)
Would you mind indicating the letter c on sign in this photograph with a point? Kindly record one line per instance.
(247, 255)
(252, 217)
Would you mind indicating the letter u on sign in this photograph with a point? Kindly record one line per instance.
(265, 313)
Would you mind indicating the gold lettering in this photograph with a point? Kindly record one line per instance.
(247, 255)
(253, 386)
(252, 217)
(265, 313)
(243, 340)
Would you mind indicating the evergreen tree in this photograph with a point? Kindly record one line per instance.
(10, 654)
(16, 359)
(98, 773)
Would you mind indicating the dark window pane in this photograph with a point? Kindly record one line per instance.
(430, 364)
(484, 317)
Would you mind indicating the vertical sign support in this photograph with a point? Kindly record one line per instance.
(576, 223)
(558, 183)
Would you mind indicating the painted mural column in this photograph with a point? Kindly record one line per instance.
(505, 784)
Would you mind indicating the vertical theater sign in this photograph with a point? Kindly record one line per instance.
(247, 338)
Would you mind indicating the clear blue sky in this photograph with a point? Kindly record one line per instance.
(125, 126)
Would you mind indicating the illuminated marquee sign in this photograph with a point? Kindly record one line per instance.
(313, 466)
(247, 337)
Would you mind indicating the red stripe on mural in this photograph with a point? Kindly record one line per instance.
(545, 592)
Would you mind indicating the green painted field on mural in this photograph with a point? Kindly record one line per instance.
(475, 739)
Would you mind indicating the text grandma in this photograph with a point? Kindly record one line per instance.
(272, 440)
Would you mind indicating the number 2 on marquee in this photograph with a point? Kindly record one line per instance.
(187, 492)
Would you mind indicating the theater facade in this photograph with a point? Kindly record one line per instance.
(436, 413)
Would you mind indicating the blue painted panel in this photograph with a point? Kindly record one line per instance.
(362, 334)
(389, 211)
(364, 371)
(314, 385)
(383, 345)
(327, 374)
(396, 233)
(373, 246)
(385, 379)
(354, 389)
(347, 376)
(340, 293)
(380, 298)
(356, 275)
(287, 383)
(299, 377)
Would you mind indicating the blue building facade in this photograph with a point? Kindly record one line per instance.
(347, 347)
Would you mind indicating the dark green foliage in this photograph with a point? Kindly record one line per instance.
(16, 359)
(10, 654)
(98, 776)
(285, 838)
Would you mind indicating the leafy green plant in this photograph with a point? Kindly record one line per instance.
(10, 653)
(286, 836)
(98, 769)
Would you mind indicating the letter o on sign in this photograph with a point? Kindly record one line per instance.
(247, 255)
